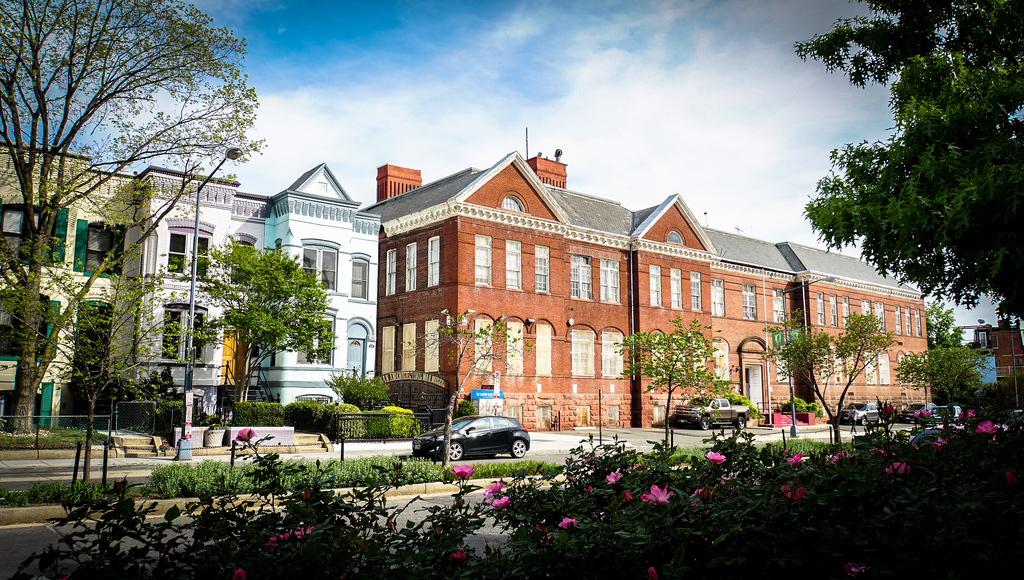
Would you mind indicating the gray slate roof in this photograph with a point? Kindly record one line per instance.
(585, 211)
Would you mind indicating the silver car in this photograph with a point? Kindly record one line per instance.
(860, 413)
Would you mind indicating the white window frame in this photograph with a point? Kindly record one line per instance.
(410, 267)
(717, 297)
(582, 353)
(179, 316)
(880, 313)
(358, 282)
(611, 358)
(513, 264)
(865, 307)
(675, 276)
(302, 359)
(581, 277)
(391, 272)
(655, 283)
(749, 302)
(819, 300)
(833, 310)
(542, 269)
(906, 320)
(779, 304)
(483, 344)
(543, 350)
(330, 281)
(695, 292)
(482, 259)
(883, 369)
(434, 261)
(898, 329)
(846, 309)
(431, 346)
(917, 322)
(721, 358)
(610, 281)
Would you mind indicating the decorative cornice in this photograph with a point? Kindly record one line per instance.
(752, 270)
(674, 250)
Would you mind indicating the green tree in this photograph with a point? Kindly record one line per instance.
(679, 360)
(363, 392)
(92, 89)
(269, 303)
(468, 350)
(938, 202)
(942, 329)
(822, 360)
(945, 371)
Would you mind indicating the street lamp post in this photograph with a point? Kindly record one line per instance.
(793, 430)
(185, 441)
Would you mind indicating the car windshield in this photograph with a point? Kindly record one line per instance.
(459, 424)
(860, 406)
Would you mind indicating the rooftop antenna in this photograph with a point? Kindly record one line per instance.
(738, 230)
(705, 219)
(558, 155)
(527, 142)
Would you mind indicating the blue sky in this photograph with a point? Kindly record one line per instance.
(702, 98)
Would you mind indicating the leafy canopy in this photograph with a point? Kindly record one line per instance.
(942, 329)
(946, 371)
(938, 203)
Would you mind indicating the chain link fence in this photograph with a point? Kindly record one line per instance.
(51, 431)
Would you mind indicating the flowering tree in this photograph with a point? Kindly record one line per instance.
(680, 360)
(468, 350)
(821, 360)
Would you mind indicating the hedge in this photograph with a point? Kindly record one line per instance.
(252, 414)
(399, 423)
(313, 417)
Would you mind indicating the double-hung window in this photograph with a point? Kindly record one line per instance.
(778, 304)
(833, 310)
(655, 277)
(611, 357)
(695, 291)
(175, 334)
(514, 348)
(543, 350)
(99, 243)
(820, 300)
(718, 297)
(387, 350)
(542, 269)
(304, 358)
(483, 259)
(846, 309)
(323, 263)
(582, 353)
(177, 254)
(409, 346)
(410, 267)
(431, 346)
(880, 314)
(906, 320)
(749, 302)
(917, 322)
(434, 261)
(391, 274)
(865, 307)
(609, 281)
(580, 278)
(513, 264)
(360, 279)
(676, 287)
(899, 321)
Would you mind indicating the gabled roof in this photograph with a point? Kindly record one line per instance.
(659, 212)
(426, 196)
(301, 185)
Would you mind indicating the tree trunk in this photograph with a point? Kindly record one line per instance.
(90, 416)
(668, 411)
(448, 414)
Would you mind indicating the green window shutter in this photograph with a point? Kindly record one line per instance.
(54, 311)
(81, 243)
(120, 232)
(61, 233)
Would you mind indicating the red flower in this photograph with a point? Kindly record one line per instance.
(1010, 478)
(652, 574)
(457, 557)
(238, 575)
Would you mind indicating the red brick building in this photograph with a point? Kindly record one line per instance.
(577, 273)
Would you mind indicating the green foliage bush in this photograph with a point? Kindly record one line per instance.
(464, 409)
(364, 392)
(258, 414)
(803, 406)
(398, 424)
(738, 399)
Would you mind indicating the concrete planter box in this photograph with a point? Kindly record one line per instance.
(197, 436)
(281, 435)
(214, 437)
(806, 417)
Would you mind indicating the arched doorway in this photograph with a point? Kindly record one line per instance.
(752, 371)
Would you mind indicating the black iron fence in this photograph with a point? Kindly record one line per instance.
(383, 426)
(51, 431)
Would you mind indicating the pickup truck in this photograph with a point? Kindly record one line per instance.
(717, 412)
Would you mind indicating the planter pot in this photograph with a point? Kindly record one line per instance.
(214, 438)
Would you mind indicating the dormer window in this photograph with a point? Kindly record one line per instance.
(675, 238)
(512, 203)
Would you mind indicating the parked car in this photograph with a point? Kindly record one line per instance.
(717, 412)
(907, 415)
(475, 435)
(938, 413)
(860, 413)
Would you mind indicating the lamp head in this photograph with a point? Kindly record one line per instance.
(233, 153)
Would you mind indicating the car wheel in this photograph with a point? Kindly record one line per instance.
(518, 448)
(455, 452)
(705, 423)
(741, 422)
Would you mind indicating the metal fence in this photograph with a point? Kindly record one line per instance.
(382, 426)
(150, 417)
(50, 431)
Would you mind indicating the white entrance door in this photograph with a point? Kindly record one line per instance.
(755, 386)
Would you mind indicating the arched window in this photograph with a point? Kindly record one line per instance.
(512, 203)
(675, 238)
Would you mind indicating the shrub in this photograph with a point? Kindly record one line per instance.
(464, 409)
(738, 399)
(364, 392)
(258, 414)
(803, 406)
(399, 423)
(313, 417)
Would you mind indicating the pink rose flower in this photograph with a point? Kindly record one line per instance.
(566, 522)
(652, 574)
(657, 496)
(986, 428)
(797, 458)
(793, 494)
(457, 557)
(238, 575)
(922, 414)
(897, 467)
(500, 503)
(716, 458)
(1010, 478)
(613, 477)
(852, 568)
(493, 490)
(245, 435)
(462, 471)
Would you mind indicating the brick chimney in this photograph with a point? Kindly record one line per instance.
(550, 172)
(393, 180)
